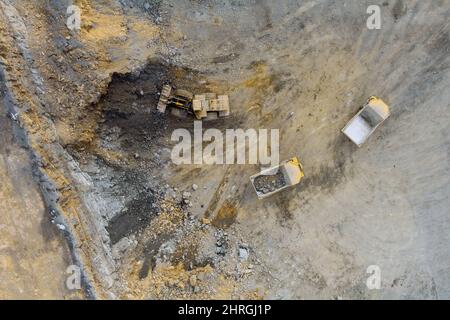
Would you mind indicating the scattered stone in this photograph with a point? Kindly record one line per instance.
(4, 61)
(221, 242)
(243, 253)
(194, 187)
(193, 280)
(220, 250)
(186, 195)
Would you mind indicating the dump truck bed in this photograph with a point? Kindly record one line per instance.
(365, 122)
(358, 130)
(275, 179)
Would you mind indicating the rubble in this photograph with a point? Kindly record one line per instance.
(243, 253)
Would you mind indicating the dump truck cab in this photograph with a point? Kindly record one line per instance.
(367, 120)
(277, 178)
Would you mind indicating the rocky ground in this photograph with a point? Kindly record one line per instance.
(140, 226)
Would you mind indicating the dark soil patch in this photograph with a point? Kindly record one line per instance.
(399, 10)
(135, 217)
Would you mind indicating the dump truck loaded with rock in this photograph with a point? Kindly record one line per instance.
(277, 178)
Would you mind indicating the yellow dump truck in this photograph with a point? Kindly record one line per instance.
(275, 179)
(365, 122)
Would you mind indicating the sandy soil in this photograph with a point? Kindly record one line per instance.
(33, 255)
